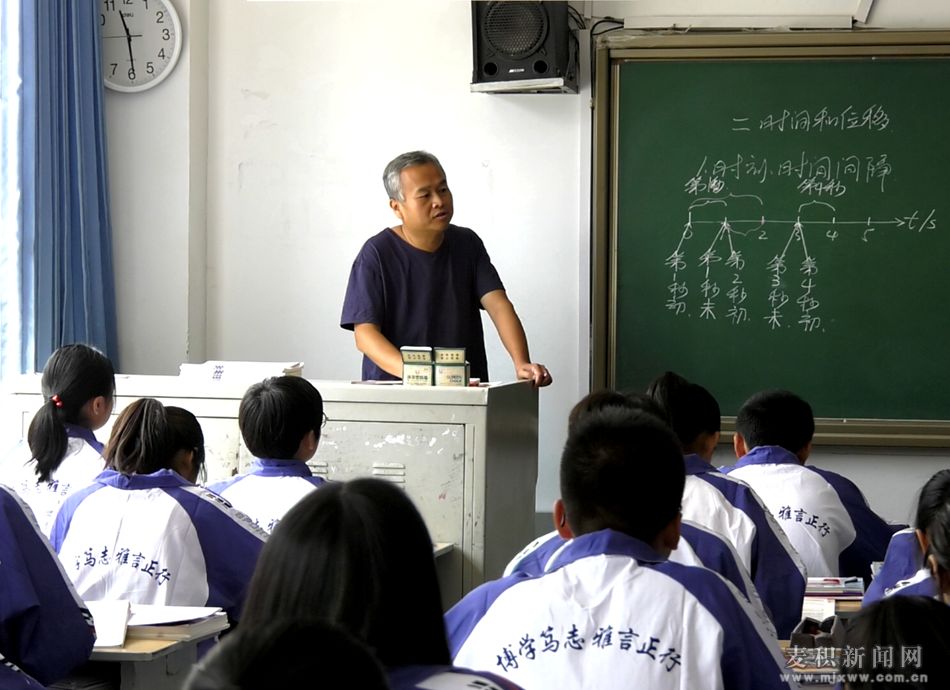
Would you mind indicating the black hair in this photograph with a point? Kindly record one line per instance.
(601, 399)
(918, 624)
(142, 441)
(621, 469)
(776, 418)
(186, 434)
(692, 410)
(933, 518)
(73, 375)
(288, 653)
(934, 495)
(277, 413)
(359, 555)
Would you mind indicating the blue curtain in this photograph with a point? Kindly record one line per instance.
(69, 284)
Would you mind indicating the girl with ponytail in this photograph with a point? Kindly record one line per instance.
(143, 532)
(78, 387)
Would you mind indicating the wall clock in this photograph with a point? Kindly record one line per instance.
(141, 42)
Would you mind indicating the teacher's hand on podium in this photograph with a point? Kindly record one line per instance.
(538, 374)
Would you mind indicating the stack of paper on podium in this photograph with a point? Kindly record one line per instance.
(241, 372)
(175, 622)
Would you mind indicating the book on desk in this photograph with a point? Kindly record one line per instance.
(175, 622)
(118, 621)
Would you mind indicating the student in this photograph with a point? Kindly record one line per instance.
(45, 630)
(424, 281)
(189, 443)
(698, 545)
(727, 505)
(824, 515)
(358, 555)
(611, 611)
(905, 570)
(280, 420)
(898, 643)
(288, 653)
(78, 387)
(142, 532)
(936, 544)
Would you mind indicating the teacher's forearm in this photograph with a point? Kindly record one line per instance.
(372, 343)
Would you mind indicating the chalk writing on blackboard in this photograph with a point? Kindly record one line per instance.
(815, 175)
(793, 285)
(873, 118)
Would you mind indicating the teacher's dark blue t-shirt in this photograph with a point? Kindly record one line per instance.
(422, 298)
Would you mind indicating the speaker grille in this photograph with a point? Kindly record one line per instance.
(515, 29)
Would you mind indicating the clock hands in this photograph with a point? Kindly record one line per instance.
(128, 39)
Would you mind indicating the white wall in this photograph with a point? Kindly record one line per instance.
(156, 145)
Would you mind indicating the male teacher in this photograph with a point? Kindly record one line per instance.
(423, 282)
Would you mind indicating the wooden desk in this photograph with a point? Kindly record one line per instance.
(146, 664)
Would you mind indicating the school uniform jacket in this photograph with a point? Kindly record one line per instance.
(45, 630)
(156, 539)
(608, 612)
(732, 509)
(901, 563)
(825, 516)
(269, 490)
(919, 584)
(80, 466)
(445, 678)
(698, 546)
(13, 678)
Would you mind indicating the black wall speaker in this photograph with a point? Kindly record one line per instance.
(516, 41)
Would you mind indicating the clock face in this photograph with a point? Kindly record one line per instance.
(141, 41)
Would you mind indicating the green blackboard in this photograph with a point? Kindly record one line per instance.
(784, 223)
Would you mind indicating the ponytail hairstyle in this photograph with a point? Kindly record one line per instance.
(187, 436)
(692, 409)
(142, 439)
(73, 375)
(933, 518)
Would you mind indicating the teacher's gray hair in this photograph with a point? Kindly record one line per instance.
(394, 168)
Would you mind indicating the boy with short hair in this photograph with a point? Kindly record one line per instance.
(825, 515)
(280, 419)
(610, 611)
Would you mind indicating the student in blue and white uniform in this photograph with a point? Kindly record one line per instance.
(727, 505)
(288, 653)
(610, 610)
(142, 532)
(698, 545)
(280, 420)
(824, 515)
(905, 570)
(78, 387)
(357, 554)
(45, 630)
